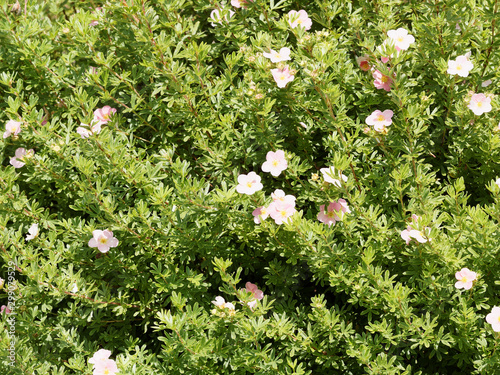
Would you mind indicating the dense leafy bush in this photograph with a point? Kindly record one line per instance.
(146, 237)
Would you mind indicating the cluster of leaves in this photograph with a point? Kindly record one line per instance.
(196, 107)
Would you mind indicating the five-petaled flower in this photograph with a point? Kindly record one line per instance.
(411, 233)
(239, 3)
(282, 76)
(401, 38)
(382, 81)
(461, 66)
(281, 211)
(282, 55)
(12, 128)
(248, 183)
(104, 114)
(334, 212)
(94, 128)
(275, 163)
(299, 18)
(103, 240)
(493, 318)
(380, 120)
(279, 195)
(20, 157)
(260, 213)
(363, 62)
(103, 365)
(5, 309)
(256, 293)
(465, 278)
(223, 305)
(479, 104)
(33, 232)
(329, 174)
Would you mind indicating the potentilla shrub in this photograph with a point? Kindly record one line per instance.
(250, 187)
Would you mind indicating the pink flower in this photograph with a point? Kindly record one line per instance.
(33, 232)
(335, 212)
(100, 356)
(461, 66)
(282, 55)
(498, 179)
(299, 18)
(260, 213)
(281, 211)
(239, 3)
(12, 127)
(486, 83)
(256, 293)
(382, 81)
(363, 62)
(20, 156)
(282, 76)
(94, 23)
(279, 196)
(248, 184)
(275, 163)
(103, 114)
(106, 367)
(95, 128)
(479, 104)
(493, 318)
(2, 281)
(5, 309)
(379, 120)
(329, 174)
(103, 240)
(410, 233)
(216, 16)
(465, 278)
(401, 38)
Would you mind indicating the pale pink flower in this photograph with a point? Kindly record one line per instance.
(461, 66)
(363, 63)
(95, 128)
(33, 232)
(330, 176)
(20, 157)
(486, 83)
(281, 211)
(275, 163)
(335, 212)
(12, 127)
(260, 213)
(279, 196)
(479, 104)
(5, 309)
(493, 318)
(106, 367)
(465, 278)
(103, 114)
(498, 179)
(411, 233)
(401, 38)
(100, 356)
(239, 3)
(248, 184)
(379, 120)
(216, 15)
(256, 293)
(94, 23)
(382, 81)
(299, 18)
(103, 240)
(2, 281)
(282, 55)
(282, 76)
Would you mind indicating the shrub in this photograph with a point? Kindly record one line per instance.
(139, 230)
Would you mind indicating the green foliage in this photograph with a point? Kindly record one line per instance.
(197, 106)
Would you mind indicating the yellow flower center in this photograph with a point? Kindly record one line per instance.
(459, 67)
(400, 39)
(464, 279)
(479, 104)
(299, 21)
(380, 118)
(103, 240)
(385, 79)
(275, 163)
(282, 77)
(283, 213)
(330, 214)
(249, 184)
(278, 56)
